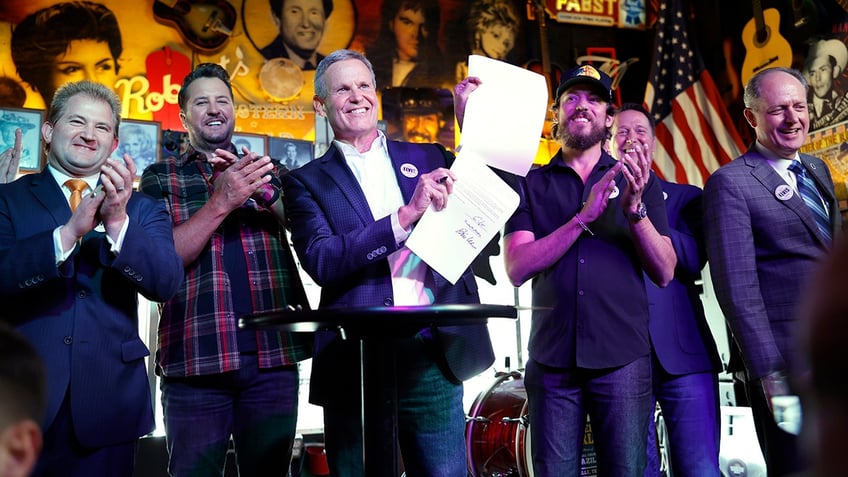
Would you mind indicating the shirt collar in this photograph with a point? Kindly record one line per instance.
(61, 177)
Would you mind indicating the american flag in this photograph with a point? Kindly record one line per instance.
(695, 134)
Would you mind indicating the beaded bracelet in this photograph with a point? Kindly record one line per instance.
(583, 225)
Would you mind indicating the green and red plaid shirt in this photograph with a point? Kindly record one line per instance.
(198, 328)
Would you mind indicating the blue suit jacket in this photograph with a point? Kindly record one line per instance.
(762, 246)
(82, 316)
(344, 249)
(680, 336)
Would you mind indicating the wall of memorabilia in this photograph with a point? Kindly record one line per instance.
(143, 49)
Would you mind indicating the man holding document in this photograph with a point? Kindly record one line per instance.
(350, 213)
(586, 228)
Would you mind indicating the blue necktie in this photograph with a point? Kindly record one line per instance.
(813, 199)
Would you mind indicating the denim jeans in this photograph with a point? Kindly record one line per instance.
(257, 407)
(618, 401)
(690, 408)
(431, 420)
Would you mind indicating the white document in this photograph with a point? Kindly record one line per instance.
(505, 115)
(448, 240)
(502, 126)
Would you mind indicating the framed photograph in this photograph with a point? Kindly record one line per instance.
(292, 153)
(254, 142)
(423, 115)
(29, 121)
(139, 139)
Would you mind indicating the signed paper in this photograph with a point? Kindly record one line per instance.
(505, 115)
(502, 126)
(448, 240)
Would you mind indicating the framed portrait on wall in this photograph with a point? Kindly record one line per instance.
(139, 139)
(292, 153)
(29, 122)
(253, 142)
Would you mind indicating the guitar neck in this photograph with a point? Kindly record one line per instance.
(759, 21)
(539, 11)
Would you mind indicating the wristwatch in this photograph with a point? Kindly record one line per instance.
(641, 213)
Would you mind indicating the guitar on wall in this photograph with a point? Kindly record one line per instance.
(764, 47)
(552, 73)
(206, 24)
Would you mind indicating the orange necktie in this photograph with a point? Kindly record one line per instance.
(76, 186)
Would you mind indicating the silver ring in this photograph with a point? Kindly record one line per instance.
(119, 189)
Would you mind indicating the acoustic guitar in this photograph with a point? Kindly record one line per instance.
(764, 47)
(205, 24)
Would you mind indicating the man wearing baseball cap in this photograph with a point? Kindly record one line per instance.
(585, 230)
(825, 61)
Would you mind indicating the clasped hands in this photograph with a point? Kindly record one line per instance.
(238, 179)
(107, 204)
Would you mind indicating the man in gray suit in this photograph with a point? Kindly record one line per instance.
(762, 242)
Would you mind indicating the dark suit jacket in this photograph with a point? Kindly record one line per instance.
(277, 49)
(680, 336)
(761, 250)
(344, 249)
(82, 317)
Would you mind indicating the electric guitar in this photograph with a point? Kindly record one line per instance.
(206, 24)
(764, 47)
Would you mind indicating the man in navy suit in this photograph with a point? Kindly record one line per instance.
(763, 240)
(685, 360)
(70, 280)
(350, 212)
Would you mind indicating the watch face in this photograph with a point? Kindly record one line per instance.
(641, 212)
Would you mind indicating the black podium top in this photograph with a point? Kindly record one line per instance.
(378, 317)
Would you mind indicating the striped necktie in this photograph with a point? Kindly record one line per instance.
(76, 186)
(812, 198)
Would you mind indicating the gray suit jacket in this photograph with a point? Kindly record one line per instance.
(762, 246)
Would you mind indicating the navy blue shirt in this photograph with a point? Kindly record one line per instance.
(599, 309)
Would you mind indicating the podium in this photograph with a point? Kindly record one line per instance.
(371, 326)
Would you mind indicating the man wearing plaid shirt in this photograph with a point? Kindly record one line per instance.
(218, 380)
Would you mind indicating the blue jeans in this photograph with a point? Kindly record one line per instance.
(618, 401)
(690, 408)
(257, 407)
(431, 420)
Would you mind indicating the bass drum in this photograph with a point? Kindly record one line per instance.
(497, 433)
(495, 421)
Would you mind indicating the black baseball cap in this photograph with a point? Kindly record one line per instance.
(586, 74)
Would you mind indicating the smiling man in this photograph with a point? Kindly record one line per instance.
(77, 246)
(586, 230)
(769, 218)
(217, 380)
(301, 24)
(351, 211)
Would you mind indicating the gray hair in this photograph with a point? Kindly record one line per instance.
(320, 85)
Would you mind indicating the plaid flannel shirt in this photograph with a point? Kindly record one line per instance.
(198, 327)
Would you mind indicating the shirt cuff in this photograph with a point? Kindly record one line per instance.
(117, 243)
(60, 254)
(400, 234)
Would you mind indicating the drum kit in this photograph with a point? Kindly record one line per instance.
(497, 433)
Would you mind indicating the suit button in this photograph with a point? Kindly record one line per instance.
(68, 340)
(388, 302)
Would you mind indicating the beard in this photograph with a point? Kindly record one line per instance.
(582, 142)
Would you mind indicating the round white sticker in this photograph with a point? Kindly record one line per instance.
(409, 170)
(614, 193)
(784, 192)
